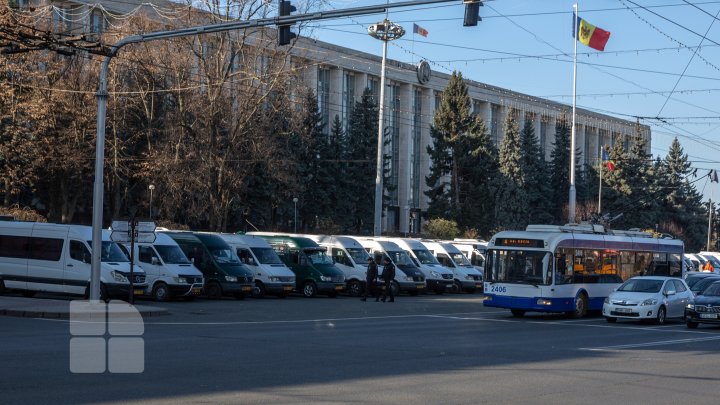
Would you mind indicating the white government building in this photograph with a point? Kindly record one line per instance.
(340, 74)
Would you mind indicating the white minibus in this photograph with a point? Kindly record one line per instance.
(408, 277)
(438, 278)
(272, 276)
(55, 258)
(169, 272)
(466, 277)
(350, 257)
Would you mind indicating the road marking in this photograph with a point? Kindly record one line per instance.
(649, 344)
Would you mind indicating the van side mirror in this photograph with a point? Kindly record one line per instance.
(155, 261)
(87, 258)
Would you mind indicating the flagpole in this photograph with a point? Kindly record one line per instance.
(571, 205)
(600, 166)
(710, 212)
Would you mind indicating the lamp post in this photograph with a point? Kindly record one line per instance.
(295, 200)
(385, 31)
(151, 188)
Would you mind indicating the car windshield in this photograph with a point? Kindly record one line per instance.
(318, 256)
(266, 255)
(400, 258)
(643, 286)
(460, 259)
(359, 255)
(518, 266)
(224, 254)
(701, 285)
(425, 257)
(171, 254)
(713, 290)
(111, 252)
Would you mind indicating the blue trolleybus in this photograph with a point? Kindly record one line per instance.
(571, 268)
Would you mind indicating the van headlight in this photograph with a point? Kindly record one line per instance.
(469, 277)
(649, 301)
(435, 274)
(273, 279)
(180, 280)
(606, 300)
(231, 279)
(119, 277)
(325, 278)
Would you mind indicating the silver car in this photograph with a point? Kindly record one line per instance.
(648, 297)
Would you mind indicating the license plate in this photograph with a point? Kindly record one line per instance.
(420, 286)
(196, 290)
(139, 292)
(623, 310)
(708, 316)
(247, 288)
(338, 287)
(288, 288)
(478, 286)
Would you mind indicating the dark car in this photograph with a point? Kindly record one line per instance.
(705, 308)
(693, 277)
(699, 287)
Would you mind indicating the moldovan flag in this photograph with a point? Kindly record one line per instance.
(589, 34)
(419, 30)
(606, 159)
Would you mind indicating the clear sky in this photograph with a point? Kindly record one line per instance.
(661, 63)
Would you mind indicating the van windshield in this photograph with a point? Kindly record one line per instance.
(266, 255)
(425, 256)
(224, 255)
(359, 255)
(400, 258)
(171, 254)
(318, 257)
(460, 259)
(111, 252)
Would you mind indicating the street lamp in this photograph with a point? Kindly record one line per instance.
(151, 188)
(385, 31)
(295, 200)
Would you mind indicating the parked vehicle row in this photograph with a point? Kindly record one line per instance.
(182, 264)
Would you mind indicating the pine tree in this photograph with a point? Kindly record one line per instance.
(362, 158)
(534, 169)
(560, 170)
(512, 210)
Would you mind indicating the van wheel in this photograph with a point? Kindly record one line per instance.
(213, 291)
(309, 289)
(457, 286)
(580, 306)
(259, 290)
(103, 293)
(395, 288)
(161, 292)
(354, 288)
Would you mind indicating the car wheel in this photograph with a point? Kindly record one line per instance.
(580, 306)
(354, 288)
(660, 318)
(259, 290)
(610, 319)
(161, 292)
(691, 324)
(213, 291)
(395, 288)
(309, 289)
(517, 313)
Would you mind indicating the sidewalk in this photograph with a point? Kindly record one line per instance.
(54, 308)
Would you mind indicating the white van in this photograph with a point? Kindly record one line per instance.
(408, 277)
(45, 257)
(272, 276)
(473, 249)
(169, 272)
(438, 278)
(350, 257)
(467, 277)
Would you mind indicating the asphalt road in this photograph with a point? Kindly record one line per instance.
(419, 350)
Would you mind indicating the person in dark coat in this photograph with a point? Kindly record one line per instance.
(371, 279)
(388, 276)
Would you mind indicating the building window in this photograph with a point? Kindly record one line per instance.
(323, 95)
(348, 98)
(373, 84)
(495, 124)
(415, 150)
(544, 122)
(97, 22)
(392, 130)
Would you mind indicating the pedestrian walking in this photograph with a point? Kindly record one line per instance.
(370, 279)
(388, 275)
